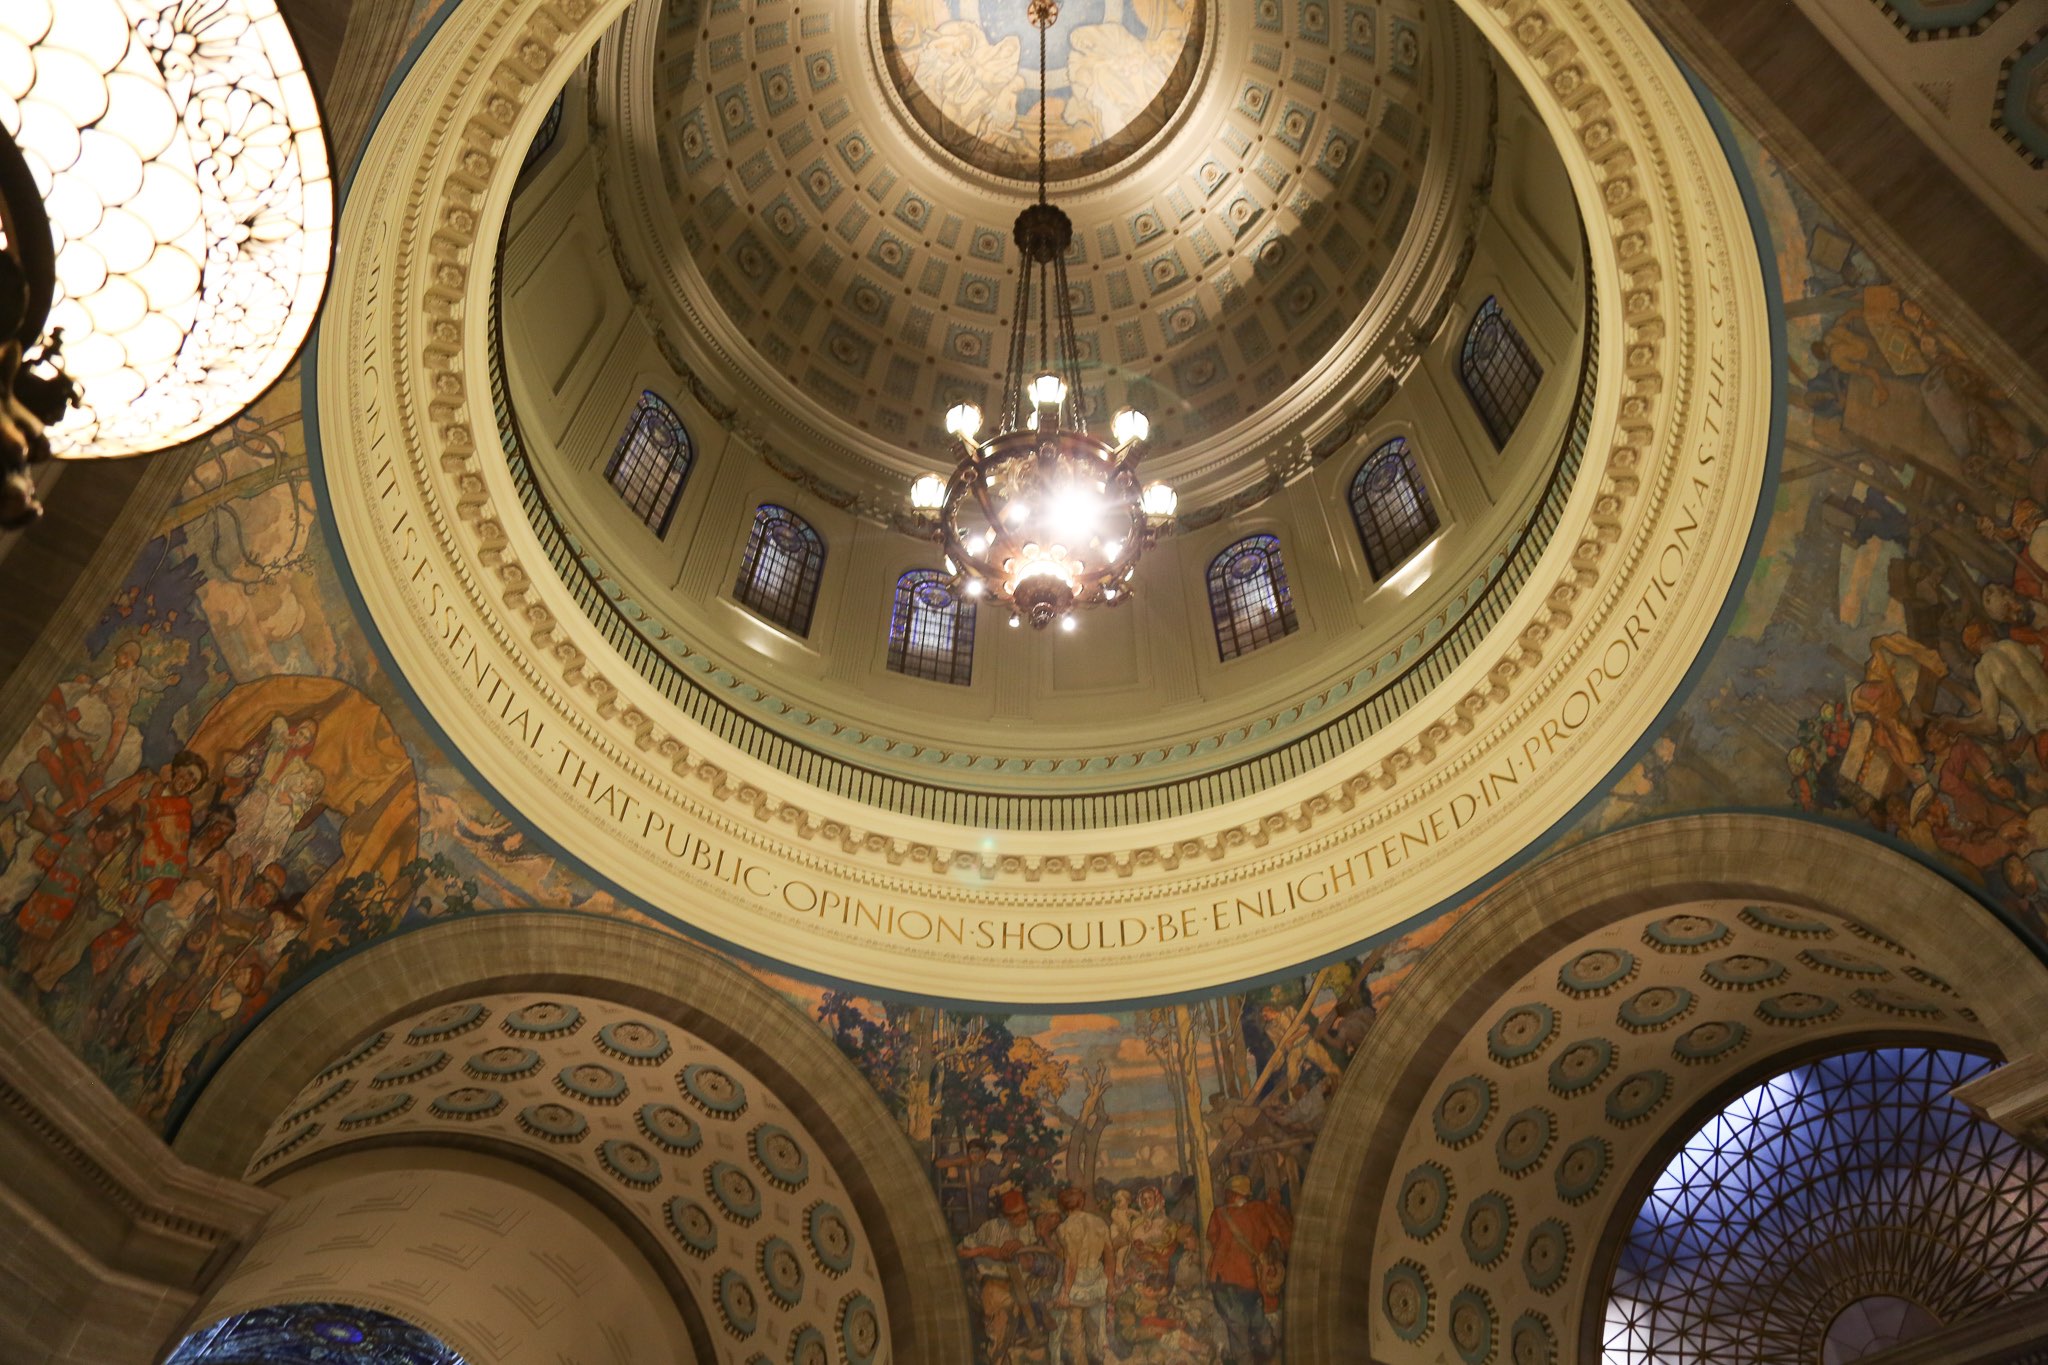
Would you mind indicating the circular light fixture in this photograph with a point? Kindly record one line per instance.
(176, 151)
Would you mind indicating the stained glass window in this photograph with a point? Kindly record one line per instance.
(779, 577)
(312, 1334)
(1788, 1225)
(1248, 597)
(1391, 506)
(1498, 370)
(550, 125)
(931, 631)
(651, 462)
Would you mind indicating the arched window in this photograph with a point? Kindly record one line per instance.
(931, 630)
(1498, 370)
(651, 462)
(1851, 1199)
(550, 125)
(779, 577)
(1391, 506)
(1248, 596)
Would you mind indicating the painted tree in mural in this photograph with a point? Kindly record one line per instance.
(948, 1076)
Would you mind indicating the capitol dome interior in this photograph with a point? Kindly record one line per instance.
(592, 817)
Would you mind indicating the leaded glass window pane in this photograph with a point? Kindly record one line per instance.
(1832, 1187)
(313, 1334)
(550, 125)
(1248, 597)
(778, 579)
(931, 630)
(1391, 506)
(1498, 370)
(651, 462)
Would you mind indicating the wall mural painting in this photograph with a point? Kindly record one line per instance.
(221, 794)
(1120, 1185)
(225, 791)
(1888, 664)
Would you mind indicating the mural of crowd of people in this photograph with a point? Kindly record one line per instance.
(225, 791)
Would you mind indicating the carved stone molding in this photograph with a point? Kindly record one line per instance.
(110, 1238)
(2015, 1097)
(525, 687)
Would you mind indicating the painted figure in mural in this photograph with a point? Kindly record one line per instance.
(81, 738)
(994, 1250)
(1087, 1280)
(1248, 1241)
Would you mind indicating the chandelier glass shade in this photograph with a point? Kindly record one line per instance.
(175, 150)
(1044, 516)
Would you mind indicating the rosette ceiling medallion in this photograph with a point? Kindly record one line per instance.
(168, 210)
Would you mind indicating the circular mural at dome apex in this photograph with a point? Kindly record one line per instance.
(1116, 70)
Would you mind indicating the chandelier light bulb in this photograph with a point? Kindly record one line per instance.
(1015, 620)
(1048, 391)
(975, 587)
(1130, 425)
(928, 493)
(963, 420)
(1067, 623)
(1158, 500)
(1016, 512)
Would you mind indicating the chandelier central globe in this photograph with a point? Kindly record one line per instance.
(1045, 515)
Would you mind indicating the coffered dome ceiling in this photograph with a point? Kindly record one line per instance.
(1262, 195)
(759, 214)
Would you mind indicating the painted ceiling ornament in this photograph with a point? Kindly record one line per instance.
(1118, 74)
(1582, 1168)
(1043, 517)
(1406, 1298)
(169, 218)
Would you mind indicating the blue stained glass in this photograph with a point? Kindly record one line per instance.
(1391, 506)
(779, 576)
(931, 631)
(1498, 371)
(1248, 597)
(313, 1334)
(651, 462)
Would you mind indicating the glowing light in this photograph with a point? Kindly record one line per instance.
(1414, 573)
(1158, 500)
(975, 587)
(190, 203)
(1015, 620)
(1067, 623)
(1048, 391)
(963, 420)
(928, 493)
(1073, 514)
(1130, 425)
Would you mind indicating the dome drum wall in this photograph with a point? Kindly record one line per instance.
(1141, 696)
(536, 698)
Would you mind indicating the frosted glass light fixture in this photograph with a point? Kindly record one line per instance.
(178, 154)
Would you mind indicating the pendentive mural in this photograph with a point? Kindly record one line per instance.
(227, 791)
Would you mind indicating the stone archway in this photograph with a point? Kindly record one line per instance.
(1575, 1016)
(657, 976)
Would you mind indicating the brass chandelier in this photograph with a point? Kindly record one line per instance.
(1045, 516)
